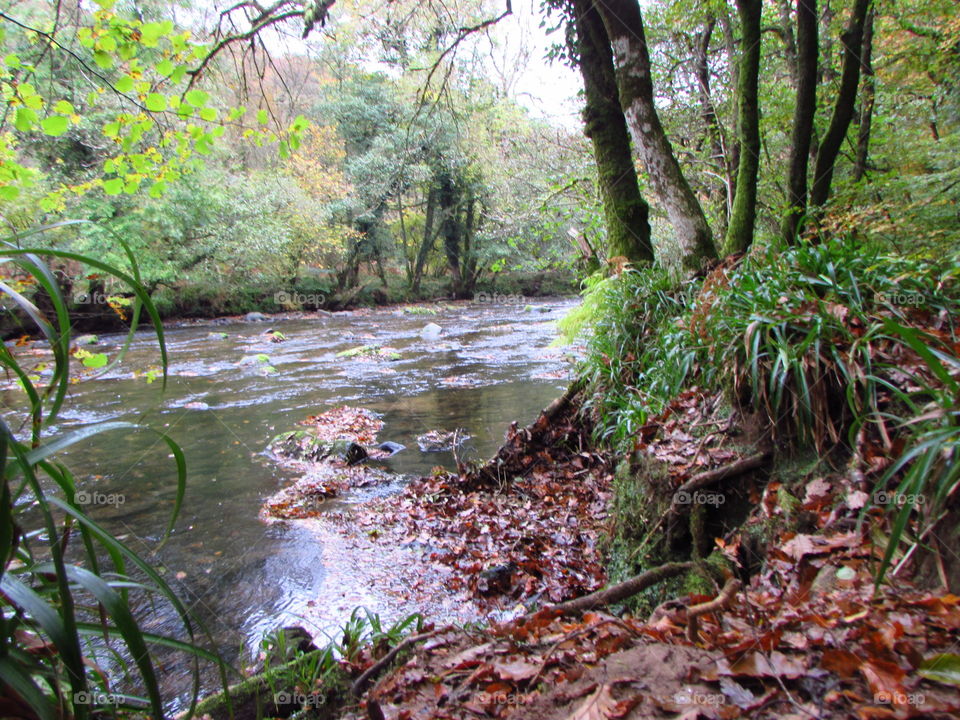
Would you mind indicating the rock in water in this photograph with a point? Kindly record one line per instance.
(391, 447)
(431, 331)
(255, 317)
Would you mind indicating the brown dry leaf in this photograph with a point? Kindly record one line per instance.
(759, 665)
(516, 671)
(801, 545)
(817, 488)
(842, 662)
(884, 679)
(601, 705)
(857, 499)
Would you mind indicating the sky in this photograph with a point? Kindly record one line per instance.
(548, 90)
(513, 52)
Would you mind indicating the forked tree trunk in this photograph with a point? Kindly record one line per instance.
(624, 25)
(803, 116)
(744, 216)
(843, 109)
(625, 210)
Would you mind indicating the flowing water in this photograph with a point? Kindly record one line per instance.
(491, 365)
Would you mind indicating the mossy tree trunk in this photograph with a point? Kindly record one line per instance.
(624, 24)
(803, 116)
(744, 215)
(625, 211)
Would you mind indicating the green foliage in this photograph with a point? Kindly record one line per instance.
(831, 342)
(76, 612)
(639, 355)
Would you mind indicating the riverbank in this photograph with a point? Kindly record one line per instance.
(777, 441)
(97, 310)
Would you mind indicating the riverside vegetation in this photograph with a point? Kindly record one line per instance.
(745, 504)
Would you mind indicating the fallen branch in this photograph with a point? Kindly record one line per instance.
(361, 682)
(626, 589)
(720, 602)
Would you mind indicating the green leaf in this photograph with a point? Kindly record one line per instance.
(165, 68)
(943, 668)
(63, 107)
(55, 125)
(25, 119)
(103, 59)
(9, 192)
(156, 102)
(157, 189)
(97, 360)
(111, 130)
(262, 117)
(124, 84)
(113, 186)
(197, 98)
(209, 114)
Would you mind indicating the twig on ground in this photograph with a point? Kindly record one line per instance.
(720, 602)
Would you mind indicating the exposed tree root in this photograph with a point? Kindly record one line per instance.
(628, 588)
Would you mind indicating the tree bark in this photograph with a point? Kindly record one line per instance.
(744, 216)
(625, 210)
(624, 24)
(803, 116)
(708, 114)
(868, 96)
(843, 109)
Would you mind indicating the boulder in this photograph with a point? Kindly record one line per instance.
(255, 317)
(431, 331)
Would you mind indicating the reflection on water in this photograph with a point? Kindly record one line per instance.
(491, 366)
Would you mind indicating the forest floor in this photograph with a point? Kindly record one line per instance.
(802, 634)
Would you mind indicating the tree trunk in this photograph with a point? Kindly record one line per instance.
(868, 97)
(843, 109)
(708, 114)
(744, 216)
(624, 25)
(789, 42)
(625, 210)
(427, 245)
(450, 228)
(803, 116)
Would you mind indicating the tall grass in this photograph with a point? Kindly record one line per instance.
(57, 614)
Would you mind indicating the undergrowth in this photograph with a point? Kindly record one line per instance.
(842, 348)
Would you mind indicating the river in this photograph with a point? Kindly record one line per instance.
(242, 577)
